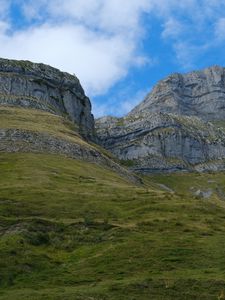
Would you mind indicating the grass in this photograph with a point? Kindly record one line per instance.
(127, 163)
(74, 230)
(42, 122)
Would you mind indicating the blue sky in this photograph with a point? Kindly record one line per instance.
(118, 49)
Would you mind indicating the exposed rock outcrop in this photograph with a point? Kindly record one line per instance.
(199, 93)
(39, 86)
(170, 129)
(17, 140)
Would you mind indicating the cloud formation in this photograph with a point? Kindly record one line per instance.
(101, 41)
(192, 27)
(95, 39)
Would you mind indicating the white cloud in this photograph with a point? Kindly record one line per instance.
(99, 40)
(120, 105)
(4, 8)
(185, 54)
(172, 28)
(97, 60)
(192, 28)
(95, 39)
(220, 29)
(110, 16)
(32, 9)
(130, 102)
(4, 26)
(188, 54)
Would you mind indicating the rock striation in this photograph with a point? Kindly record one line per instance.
(39, 86)
(178, 126)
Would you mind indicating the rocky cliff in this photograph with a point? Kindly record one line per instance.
(43, 110)
(170, 129)
(39, 86)
(199, 93)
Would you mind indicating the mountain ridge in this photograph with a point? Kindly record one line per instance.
(175, 128)
(156, 135)
(170, 93)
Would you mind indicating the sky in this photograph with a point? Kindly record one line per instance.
(118, 49)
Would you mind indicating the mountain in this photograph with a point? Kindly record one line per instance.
(44, 110)
(178, 126)
(199, 93)
(38, 86)
(75, 224)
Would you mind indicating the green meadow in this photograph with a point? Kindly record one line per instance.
(75, 230)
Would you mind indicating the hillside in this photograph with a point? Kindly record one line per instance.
(76, 224)
(74, 230)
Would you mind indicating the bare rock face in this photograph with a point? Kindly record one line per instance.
(199, 93)
(170, 129)
(26, 84)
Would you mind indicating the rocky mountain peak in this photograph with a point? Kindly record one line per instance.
(198, 93)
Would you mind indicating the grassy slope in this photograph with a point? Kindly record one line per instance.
(72, 230)
(40, 121)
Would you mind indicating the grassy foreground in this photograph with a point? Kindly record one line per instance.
(74, 230)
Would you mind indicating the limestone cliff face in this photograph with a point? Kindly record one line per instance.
(26, 84)
(170, 129)
(199, 93)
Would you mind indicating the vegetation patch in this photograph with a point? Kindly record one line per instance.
(75, 230)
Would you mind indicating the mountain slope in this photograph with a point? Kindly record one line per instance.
(170, 129)
(75, 230)
(74, 224)
(34, 131)
(44, 110)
